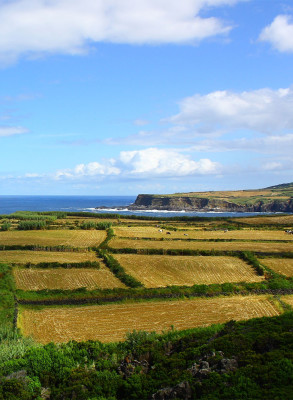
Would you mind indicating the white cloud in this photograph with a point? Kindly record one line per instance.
(264, 110)
(88, 170)
(12, 130)
(147, 163)
(164, 162)
(279, 34)
(265, 145)
(69, 26)
(272, 166)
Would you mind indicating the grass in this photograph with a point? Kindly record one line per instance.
(118, 243)
(35, 257)
(160, 271)
(109, 323)
(242, 234)
(282, 266)
(288, 299)
(66, 279)
(73, 238)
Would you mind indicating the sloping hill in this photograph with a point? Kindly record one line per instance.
(277, 198)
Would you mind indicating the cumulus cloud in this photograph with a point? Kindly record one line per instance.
(279, 33)
(12, 130)
(147, 163)
(69, 26)
(89, 170)
(164, 162)
(264, 110)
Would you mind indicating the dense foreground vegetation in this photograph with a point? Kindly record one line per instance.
(238, 360)
(235, 360)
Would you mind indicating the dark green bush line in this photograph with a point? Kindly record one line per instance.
(30, 215)
(118, 270)
(110, 235)
(95, 225)
(84, 264)
(175, 252)
(31, 225)
(34, 247)
(7, 301)
(277, 255)
(53, 297)
(140, 217)
(5, 226)
(253, 261)
(170, 239)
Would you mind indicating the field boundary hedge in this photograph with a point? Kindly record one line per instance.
(164, 239)
(84, 264)
(34, 247)
(145, 296)
(118, 270)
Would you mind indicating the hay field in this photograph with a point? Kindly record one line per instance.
(117, 243)
(62, 237)
(288, 299)
(158, 271)
(35, 257)
(66, 279)
(247, 234)
(282, 266)
(109, 323)
(282, 219)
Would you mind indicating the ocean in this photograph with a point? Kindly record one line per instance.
(11, 204)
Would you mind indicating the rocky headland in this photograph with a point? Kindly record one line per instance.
(274, 199)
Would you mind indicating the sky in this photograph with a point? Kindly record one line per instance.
(120, 97)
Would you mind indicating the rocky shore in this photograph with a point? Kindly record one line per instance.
(186, 203)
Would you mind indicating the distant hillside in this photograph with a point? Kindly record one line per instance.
(277, 198)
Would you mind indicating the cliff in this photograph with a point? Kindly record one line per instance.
(275, 199)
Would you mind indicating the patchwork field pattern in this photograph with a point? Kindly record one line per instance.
(73, 238)
(35, 257)
(66, 279)
(246, 234)
(111, 322)
(282, 266)
(118, 243)
(158, 271)
(282, 219)
(288, 299)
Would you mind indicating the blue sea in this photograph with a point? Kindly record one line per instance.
(113, 204)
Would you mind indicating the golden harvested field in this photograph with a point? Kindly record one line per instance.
(248, 234)
(282, 219)
(288, 299)
(158, 271)
(35, 257)
(280, 265)
(184, 244)
(67, 279)
(74, 238)
(109, 323)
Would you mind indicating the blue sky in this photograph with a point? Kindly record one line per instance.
(105, 97)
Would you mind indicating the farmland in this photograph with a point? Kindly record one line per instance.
(111, 322)
(243, 234)
(118, 243)
(282, 266)
(288, 299)
(66, 279)
(156, 270)
(118, 283)
(126, 273)
(35, 257)
(62, 237)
